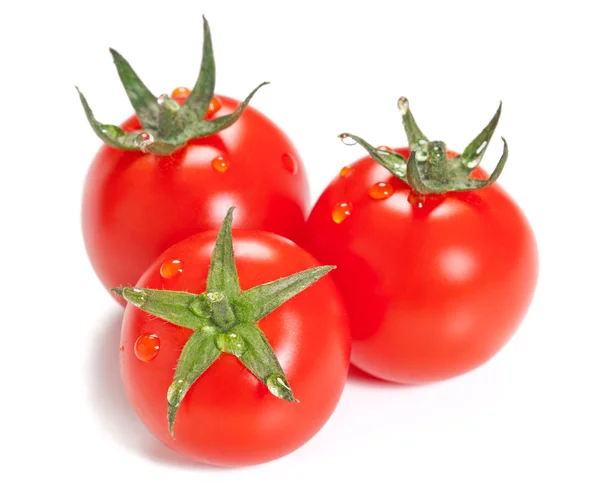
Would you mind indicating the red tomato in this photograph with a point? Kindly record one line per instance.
(434, 285)
(136, 205)
(229, 417)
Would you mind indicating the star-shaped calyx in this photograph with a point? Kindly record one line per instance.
(428, 169)
(167, 125)
(223, 319)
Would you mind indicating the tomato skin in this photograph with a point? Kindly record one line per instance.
(228, 417)
(433, 291)
(137, 205)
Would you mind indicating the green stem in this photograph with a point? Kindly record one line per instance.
(222, 314)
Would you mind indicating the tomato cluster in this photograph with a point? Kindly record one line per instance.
(236, 341)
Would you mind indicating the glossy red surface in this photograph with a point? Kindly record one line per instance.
(434, 285)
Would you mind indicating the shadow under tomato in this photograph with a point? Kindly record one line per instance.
(357, 376)
(110, 402)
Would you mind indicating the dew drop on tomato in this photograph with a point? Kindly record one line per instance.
(145, 136)
(381, 190)
(289, 163)
(180, 94)
(345, 171)
(171, 268)
(213, 107)
(385, 148)
(146, 347)
(416, 199)
(341, 212)
(220, 164)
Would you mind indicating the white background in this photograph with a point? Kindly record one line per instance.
(524, 425)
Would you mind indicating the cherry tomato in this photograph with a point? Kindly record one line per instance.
(229, 417)
(434, 285)
(136, 205)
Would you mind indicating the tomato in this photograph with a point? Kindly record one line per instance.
(434, 284)
(228, 417)
(136, 204)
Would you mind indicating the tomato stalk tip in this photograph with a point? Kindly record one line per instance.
(222, 314)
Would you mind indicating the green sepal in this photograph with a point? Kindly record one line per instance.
(222, 273)
(392, 161)
(260, 301)
(196, 105)
(176, 307)
(143, 101)
(413, 132)
(169, 125)
(474, 152)
(429, 170)
(421, 185)
(111, 134)
(259, 358)
(198, 354)
(470, 184)
(206, 128)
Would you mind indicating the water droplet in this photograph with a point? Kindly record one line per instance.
(162, 98)
(201, 307)
(481, 147)
(421, 155)
(278, 386)
(144, 139)
(346, 139)
(472, 164)
(381, 190)
(213, 107)
(345, 171)
(180, 94)
(215, 296)
(341, 211)
(231, 343)
(220, 164)
(289, 163)
(146, 347)
(436, 153)
(171, 268)
(385, 148)
(115, 132)
(175, 393)
(416, 199)
(399, 168)
(403, 105)
(135, 296)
